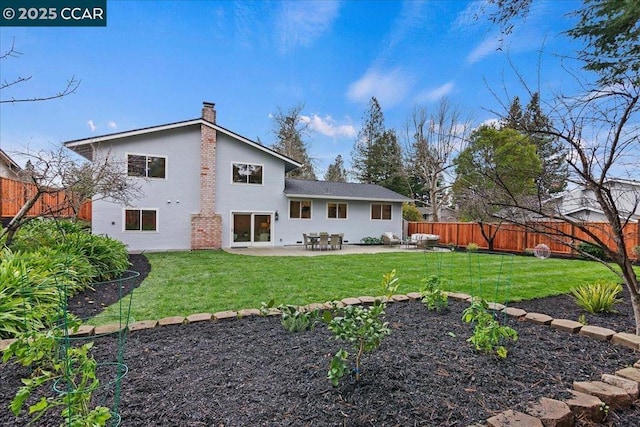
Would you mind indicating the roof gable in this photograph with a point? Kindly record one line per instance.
(84, 146)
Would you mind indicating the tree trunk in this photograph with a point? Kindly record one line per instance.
(18, 220)
(433, 194)
(631, 281)
(488, 237)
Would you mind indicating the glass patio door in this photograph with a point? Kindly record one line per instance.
(252, 229)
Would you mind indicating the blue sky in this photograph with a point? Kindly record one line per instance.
(157, 61)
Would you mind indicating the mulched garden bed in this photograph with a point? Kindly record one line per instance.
(252, 371)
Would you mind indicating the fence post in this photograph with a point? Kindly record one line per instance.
(1, 197)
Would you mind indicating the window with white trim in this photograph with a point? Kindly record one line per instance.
(140, 220)
(246, 173)
(381, 211)
(300, 209)
(336, 210)
(146, 166)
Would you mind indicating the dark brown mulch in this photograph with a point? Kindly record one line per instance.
(93, 301)
(252, 372)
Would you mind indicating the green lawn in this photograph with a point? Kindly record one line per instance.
(183, 283)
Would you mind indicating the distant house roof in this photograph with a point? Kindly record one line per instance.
(4, 157)
(84, 146)
(340, 191)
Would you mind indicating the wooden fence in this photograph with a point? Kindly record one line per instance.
(14, 194)
(517, 238)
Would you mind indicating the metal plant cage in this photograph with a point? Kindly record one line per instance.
(489, 272)
(70, 331)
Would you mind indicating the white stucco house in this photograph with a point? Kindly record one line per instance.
(206, 187)
(580, 203)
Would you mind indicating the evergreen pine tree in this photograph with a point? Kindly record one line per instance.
(336, 171)
(289, 130)
(534, 123)
(377, 157)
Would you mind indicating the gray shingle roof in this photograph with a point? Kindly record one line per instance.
(340, 190)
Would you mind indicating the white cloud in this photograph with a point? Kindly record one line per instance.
(435, 94)
(389, 88)
(489, 46)
(473, 15)
(493, 122)
(301, 23)
(91, 125)
(112, 124)
(327, 126)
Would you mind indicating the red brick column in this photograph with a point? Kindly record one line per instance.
(206, 226)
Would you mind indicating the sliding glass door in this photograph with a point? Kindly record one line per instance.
(251, 229)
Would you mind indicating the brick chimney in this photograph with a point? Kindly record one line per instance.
(206, 225)
(209, 111)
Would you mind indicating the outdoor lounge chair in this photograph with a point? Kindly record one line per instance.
(391, 239)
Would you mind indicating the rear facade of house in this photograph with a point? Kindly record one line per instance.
(206, 187)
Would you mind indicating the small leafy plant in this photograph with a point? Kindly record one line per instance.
(295, 320)
(432, 295)
(362, 327)
(371, 240)
(70, 371)
(598, 297)
(488, 333)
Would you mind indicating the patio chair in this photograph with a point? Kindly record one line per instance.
(391, 239)
(324, 241)
(335, 241)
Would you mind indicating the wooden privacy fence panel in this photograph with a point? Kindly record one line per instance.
(518, 238)
(14, 194)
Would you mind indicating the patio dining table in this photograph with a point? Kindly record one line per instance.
(314, 239)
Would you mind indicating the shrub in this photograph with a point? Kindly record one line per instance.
(593, 250)
(432, 295)
(472, 247)
(488, 334)
(371, 240)
(362, 327)
(33, 285)
(108, 256)
(598, 297)
(43, 233)
(410, 212)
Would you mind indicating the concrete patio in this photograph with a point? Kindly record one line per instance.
(299, 250)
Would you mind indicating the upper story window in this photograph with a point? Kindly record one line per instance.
(140, 220)
(300, 209)
(245, 173)
(381, 211)
(336, 210)
(146, 166)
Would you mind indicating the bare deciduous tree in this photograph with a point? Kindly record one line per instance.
(433, 142)
(601, 131)
(70, 87)
(57, 171)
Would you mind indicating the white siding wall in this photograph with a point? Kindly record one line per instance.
(232, 197)
(357, 225)
(176, 198)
